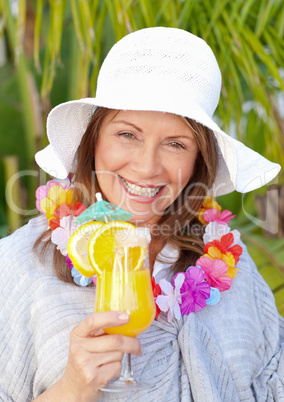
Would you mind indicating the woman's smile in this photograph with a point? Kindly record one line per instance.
(144, 192)
(143, 161)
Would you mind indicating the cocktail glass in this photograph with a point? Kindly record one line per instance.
(127, 288)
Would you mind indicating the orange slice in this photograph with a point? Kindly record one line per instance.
(107, 246)
(77, 248)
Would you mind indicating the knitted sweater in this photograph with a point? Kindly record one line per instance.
(233, 351)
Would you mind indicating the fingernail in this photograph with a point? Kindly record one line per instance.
(123, 317)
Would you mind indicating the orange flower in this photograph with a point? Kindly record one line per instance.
(64, 210)
(215, 254)
(225, 246)
(208, 203)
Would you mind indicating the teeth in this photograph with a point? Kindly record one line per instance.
(143, 191)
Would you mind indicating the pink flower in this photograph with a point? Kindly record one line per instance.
(194, 291)
(215, 273)
(170, 301)
(214, 215)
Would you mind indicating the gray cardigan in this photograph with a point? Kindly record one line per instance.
(233, 351)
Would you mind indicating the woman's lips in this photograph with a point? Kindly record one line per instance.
(142, 185)
(143, 193)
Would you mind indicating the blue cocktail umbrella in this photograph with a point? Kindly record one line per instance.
(103, 211)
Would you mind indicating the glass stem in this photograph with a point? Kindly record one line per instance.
(127, 373)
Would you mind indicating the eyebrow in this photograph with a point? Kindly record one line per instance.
(129, 124)
(171, 137)
(174, 137)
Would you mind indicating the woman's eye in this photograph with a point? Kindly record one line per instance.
(176, 144)
(126, 135)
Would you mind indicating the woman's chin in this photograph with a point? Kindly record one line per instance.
(145, 220)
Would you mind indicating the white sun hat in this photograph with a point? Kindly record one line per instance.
(157, 69)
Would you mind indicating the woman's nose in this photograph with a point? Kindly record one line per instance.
(147, 163)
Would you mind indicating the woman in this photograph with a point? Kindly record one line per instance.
(148, 143)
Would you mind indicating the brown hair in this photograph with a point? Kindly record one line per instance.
(179, 224)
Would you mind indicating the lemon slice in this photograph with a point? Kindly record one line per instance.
(77, 248)
(107, 243)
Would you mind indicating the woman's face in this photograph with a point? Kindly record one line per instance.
(143, 161)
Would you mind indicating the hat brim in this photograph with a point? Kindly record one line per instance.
(48, 161)
(240, 168)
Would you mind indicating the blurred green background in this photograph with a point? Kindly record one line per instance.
(51, 51)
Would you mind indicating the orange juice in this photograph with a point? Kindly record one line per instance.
(129, 291)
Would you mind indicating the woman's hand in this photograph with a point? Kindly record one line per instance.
(94, 358)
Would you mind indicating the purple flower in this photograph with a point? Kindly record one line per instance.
(194, 291)
(69, 262)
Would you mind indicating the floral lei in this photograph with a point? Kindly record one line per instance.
(189, 291)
